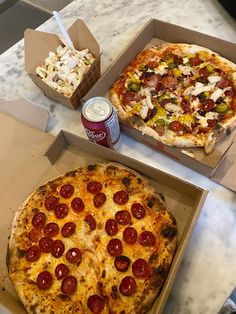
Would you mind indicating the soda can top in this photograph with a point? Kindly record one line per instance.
(97, 109)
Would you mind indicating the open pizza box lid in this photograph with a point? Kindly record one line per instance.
(156, 32)
(37, 47)
(29, 157)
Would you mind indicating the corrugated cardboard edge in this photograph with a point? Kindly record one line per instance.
(25, 111)
(45, 42)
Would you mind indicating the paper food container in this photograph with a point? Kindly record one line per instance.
(29, 155)
(39, 44)
(219, 165)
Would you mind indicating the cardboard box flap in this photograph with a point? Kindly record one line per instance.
(44, 42)
(225, 173)
(174, 33)
(82, 38)
(25, 111)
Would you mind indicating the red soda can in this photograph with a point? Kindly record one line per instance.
(101, 123)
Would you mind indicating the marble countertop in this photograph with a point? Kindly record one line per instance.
(208, 273)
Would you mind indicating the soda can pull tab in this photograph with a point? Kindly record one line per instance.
(99, 110)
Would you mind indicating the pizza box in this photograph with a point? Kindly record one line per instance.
(29, 157)
(218, 165)
(37, 47)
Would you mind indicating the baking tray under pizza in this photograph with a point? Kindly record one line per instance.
(69, 151)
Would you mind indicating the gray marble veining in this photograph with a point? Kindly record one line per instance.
(208, 273)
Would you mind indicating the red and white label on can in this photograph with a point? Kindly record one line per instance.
(101, 123)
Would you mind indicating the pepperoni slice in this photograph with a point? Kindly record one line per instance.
(44, 280)
(61, 271)
(33, 253)
(51, 202)
(176, 126)
(138, 210)
(89, 219)
(68, 229)
(122, 263)
(195, 61)
(204, 73)
(74, 256)
(115, 247)
(67, 190)
(51, 229)
(146, 238)
(69, 285)
(77, 204)
(123, 217)
(120, 197)
(130, 235)
(61, 211)
(111, 227)
(94, 187)
(140, 268)
(207, 105)
(211, 122)
(99, 199)
(128, 286)
(57, 248)
(39, 220)
(95, 304)
(35, 234)
(45, 244)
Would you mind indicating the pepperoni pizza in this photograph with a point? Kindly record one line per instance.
(180, 94)
(98, 239)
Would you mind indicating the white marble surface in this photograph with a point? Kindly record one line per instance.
(208, 273)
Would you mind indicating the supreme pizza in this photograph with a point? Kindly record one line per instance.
(180, 94)
(98, 239)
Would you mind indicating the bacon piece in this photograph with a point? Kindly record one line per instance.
(224, 82)
(152, 81)
(185, 105)
(169, 82)
(128, 97)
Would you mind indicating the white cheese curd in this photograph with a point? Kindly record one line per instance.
(214, 79)
(185, 60)
(212, 115)
(195, 104)
(144, 109)
(161, 69)
(188, 90)
(200, 88)
(185, 69)
(64, 70)
(172, 107)
(216, 94)
(202, 120)
(146, 92)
